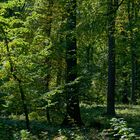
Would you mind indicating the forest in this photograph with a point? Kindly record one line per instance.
(69, 70)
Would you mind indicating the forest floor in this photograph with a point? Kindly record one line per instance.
(92, 115)
(131, 113)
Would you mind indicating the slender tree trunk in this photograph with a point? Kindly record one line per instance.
(125, 93)
(89, 56)
(111, 57)
(131, 18)
(59, 72)
(47, 80)
(73, 109)
(48, 114)
(48, 62)
(24, 104)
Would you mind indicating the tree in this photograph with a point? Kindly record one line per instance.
(72, 109)
(12, 70)
(47, 31)
(112, 5)
(132, 17)
(12, 11)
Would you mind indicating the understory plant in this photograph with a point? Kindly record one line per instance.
(119, 130)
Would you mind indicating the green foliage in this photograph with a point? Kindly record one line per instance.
(36, 37)
(120, 130)
(14, 128)
(24, 135)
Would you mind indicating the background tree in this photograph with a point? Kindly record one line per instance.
(10, 13)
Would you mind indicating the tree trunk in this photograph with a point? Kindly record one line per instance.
(111, 57)
(73, 109)
(23, 99)
(47, 61)
(59, 73)
(24, 104)
(131, 18)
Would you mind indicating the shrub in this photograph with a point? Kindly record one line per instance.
(119, 130)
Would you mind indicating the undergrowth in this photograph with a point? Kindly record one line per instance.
(95, 125)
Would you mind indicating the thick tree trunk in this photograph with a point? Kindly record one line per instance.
(73, 109)
(111, 57)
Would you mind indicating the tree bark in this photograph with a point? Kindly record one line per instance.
(111, 57)
(24, 105)
(72, 109)
(47, 61)
(131, 18)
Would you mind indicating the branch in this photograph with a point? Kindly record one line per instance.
(114, 10)
(120, 4)
(10, 60)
